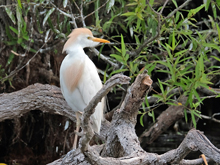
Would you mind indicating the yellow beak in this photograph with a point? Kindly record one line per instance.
(100, 40)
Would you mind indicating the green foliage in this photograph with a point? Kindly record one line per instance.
(176, 47)
(18, 35)
(33, 23)
(185, 49)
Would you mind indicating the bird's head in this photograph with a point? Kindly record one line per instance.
(82, 37)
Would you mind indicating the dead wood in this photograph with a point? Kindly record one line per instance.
(122, 145)
(47, 98)
(164, 121)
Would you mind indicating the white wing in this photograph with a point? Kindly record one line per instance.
(89, 86)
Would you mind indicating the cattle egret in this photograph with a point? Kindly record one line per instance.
(79, 79)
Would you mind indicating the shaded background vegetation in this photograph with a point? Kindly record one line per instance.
(180, 51)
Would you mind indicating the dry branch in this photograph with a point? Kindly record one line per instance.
(122, 145)
(47, 98)
(89, 110)
(165, 120)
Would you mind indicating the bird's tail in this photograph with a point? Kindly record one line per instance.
(98, 116)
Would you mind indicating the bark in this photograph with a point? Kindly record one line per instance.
(122, 145)
(47, 98)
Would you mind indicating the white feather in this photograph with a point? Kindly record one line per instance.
(89, 83)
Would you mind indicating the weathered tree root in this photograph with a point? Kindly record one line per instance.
(122, 145)
(193, 141)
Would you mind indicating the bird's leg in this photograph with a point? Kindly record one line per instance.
(77, 129)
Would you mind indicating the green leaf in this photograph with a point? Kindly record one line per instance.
(171, 103)
(201, 64)
(109, 5)
(192, 12)
(146, 101)
(108, 24)
(20, 20)
(119, 50)
(141, 120)
(129, 14)
(161, 86)
(123, 27)
(185, 114)
(19, 41)
(218, 29)
(97, 5)
(193, 118)
(65, 3)
(173, 41)
(139, 15)
(181, 53)
(118, 71)
(177, 16)
(218, 2)
(132, 4)
(123, 51)
(174, 2)
(197, 95)
(10, 14)
(11, 57)
(150, 68)
(207, 4)
(153, 116)
(218, 59)
(118, 58)
(48, 15)
(19, 3)
(14, 30)
(212, 45)
(126, 57)
(151, 2)
(214, 10)
(104, 77)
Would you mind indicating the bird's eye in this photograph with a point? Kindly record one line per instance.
(89, 38)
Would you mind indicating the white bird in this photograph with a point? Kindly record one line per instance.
(79, 79)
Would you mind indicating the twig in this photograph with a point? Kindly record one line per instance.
(174, 11)
(146, 42)
(212, 91)
(89, 110)
(66, 14)
(16, 71)
(104, 58)
(73, 18)
(62, 12)
(76, 5)
(81, 14)
(96, 10)
(161, 11)
(159, 15)
(210, 118)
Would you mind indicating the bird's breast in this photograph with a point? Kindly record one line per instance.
(72, 71)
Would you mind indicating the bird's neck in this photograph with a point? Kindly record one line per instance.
(76, 50)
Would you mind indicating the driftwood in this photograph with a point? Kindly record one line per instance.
(164, 121)
(122, 145)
